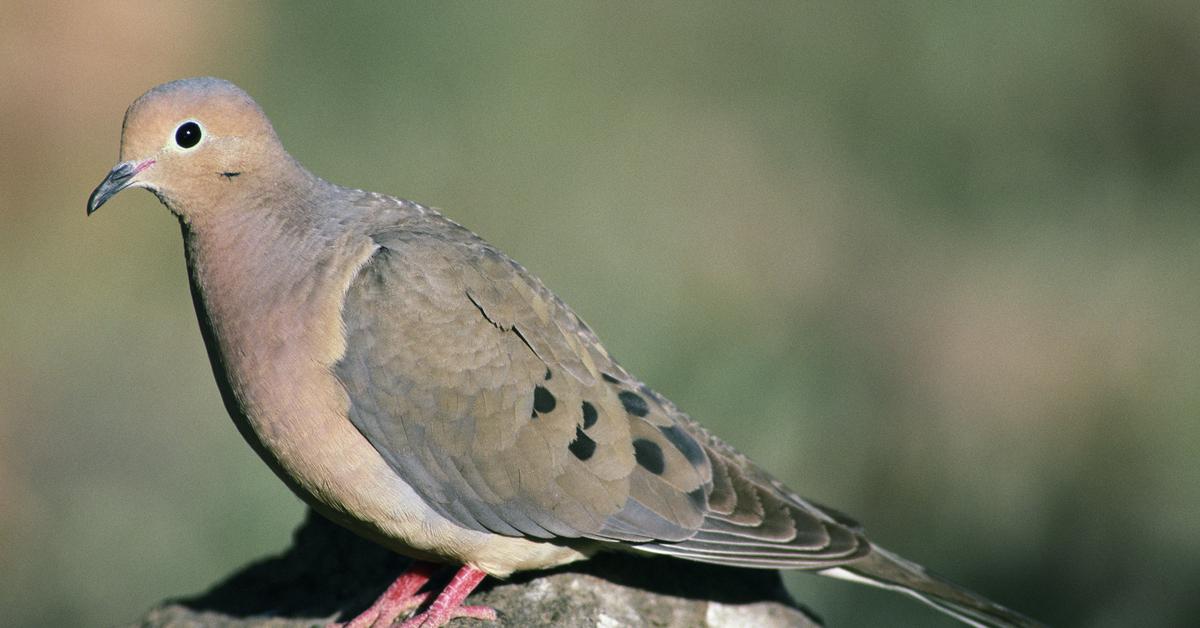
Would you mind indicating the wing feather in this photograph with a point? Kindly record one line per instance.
(503, 411)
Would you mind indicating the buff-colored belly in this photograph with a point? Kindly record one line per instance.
(294, 412)
(334, 468)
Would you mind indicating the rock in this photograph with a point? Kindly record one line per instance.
(330, 574)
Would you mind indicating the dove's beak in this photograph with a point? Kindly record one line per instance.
(118, 179)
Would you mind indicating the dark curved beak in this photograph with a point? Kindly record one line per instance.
(118, 179)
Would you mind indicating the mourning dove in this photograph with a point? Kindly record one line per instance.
(414, 384)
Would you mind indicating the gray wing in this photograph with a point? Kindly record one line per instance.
(505, 414)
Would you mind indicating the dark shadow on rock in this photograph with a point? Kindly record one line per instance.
(331, 574)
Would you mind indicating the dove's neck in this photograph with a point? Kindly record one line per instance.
(268, 280)
(268, 288)
(258, 253)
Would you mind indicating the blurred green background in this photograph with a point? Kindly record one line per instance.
(937, 265)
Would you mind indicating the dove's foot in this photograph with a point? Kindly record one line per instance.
(448, 604)
(400, 597)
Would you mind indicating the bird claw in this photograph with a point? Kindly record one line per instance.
(402, 597)
(435, 618)
(382, 615)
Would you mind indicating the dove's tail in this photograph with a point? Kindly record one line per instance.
(883, 569)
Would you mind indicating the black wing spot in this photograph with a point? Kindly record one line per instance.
(685, 444)
(649, 455)
(633, 402)
(547, 375)
(229, 175)
(609, 378)
(589, 415)
(583, 446)
(543, 400)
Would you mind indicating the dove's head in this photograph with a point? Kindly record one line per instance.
(193, 142)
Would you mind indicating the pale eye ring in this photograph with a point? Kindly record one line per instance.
(188, 134)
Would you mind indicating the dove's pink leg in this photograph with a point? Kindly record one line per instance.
(448, 604)
(398, 599)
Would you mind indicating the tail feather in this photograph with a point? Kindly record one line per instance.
(885, 570)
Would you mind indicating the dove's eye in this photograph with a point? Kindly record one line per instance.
(188, 134)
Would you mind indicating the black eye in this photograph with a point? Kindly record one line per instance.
(187, 135)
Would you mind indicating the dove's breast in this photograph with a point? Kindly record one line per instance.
(273, 329)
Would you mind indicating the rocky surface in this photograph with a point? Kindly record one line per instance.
(330, 575)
